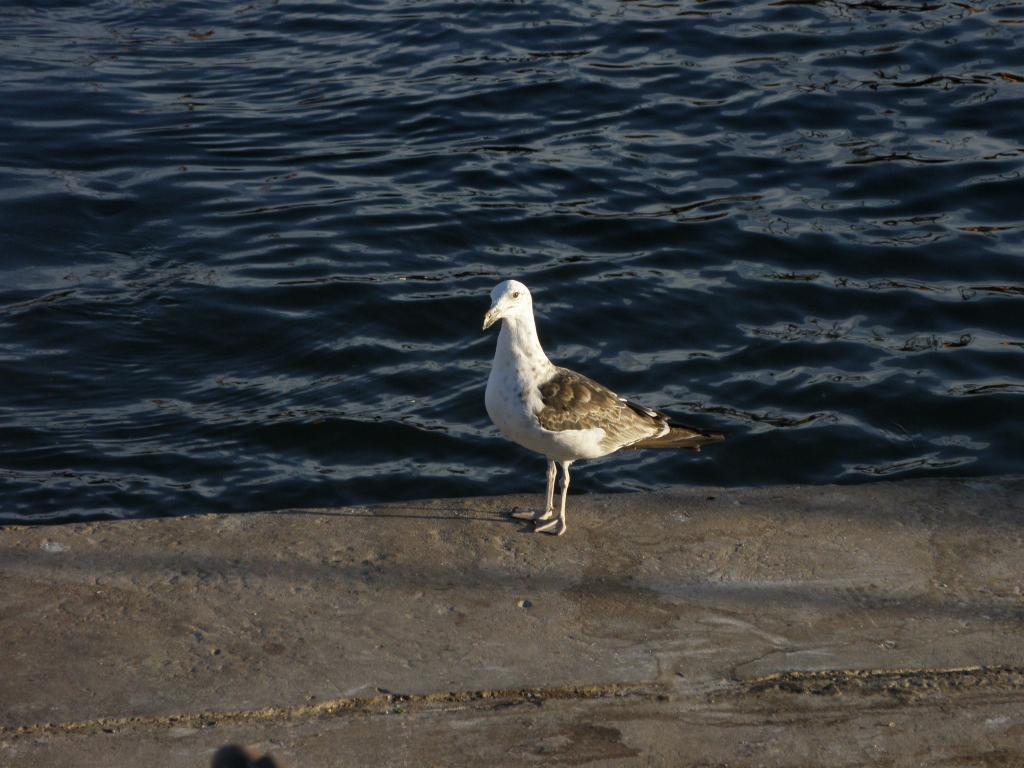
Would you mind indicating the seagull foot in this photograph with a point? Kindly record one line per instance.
(525, 515)
(556, 527)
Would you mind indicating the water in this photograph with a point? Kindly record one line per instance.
(247, 247)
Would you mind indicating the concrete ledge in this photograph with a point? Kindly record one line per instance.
(782, 626)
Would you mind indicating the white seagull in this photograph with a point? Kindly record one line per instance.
(560, 413)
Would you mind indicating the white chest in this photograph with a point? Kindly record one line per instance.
(513, 399)
(511, 402)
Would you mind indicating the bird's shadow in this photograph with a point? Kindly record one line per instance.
(409, 512)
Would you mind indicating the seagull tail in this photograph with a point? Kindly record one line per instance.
(679, 436)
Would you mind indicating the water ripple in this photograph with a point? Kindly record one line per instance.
(248, 246)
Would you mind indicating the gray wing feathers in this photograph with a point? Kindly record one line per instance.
(572, 401)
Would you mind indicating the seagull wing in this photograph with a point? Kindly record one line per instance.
(572, 401)
(680, 436)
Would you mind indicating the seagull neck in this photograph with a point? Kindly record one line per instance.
(518, 343)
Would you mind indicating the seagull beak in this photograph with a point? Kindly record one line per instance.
(493, 315)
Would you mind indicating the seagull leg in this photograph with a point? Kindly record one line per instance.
(558, 526)
(549, 509)
(549, 506)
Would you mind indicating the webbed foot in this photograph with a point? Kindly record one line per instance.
(535, 516)
(555, 527)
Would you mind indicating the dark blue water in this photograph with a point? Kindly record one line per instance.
(246, 247)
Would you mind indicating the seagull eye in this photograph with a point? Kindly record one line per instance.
(515, 295)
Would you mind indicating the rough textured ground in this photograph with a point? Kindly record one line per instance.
(787, 626)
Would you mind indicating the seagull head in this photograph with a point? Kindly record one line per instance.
(508, 299)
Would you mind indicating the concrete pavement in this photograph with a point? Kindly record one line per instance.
(784, 626)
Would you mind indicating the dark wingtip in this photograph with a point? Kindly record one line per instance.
(707, 437)
(686, 437)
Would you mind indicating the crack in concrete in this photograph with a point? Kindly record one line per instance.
(899, 682)
(386, 703)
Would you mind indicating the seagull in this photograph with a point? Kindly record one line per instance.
(560, 413)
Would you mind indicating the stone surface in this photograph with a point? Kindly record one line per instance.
(780, 626)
